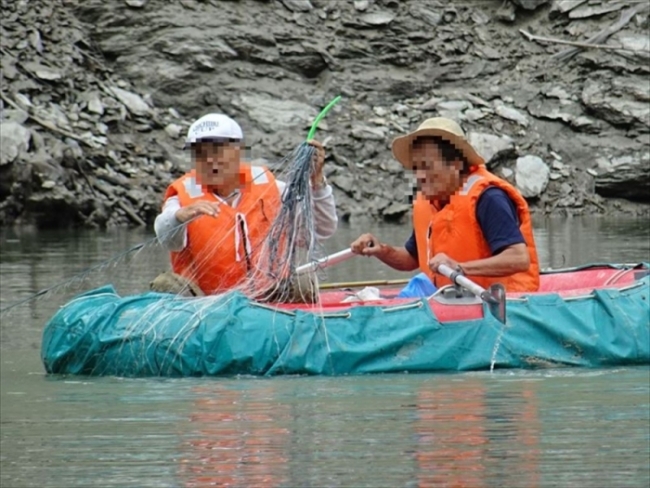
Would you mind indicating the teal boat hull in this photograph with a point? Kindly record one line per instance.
(101, 333)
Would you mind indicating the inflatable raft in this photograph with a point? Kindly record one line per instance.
(593, 316)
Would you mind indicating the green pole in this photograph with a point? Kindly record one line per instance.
(320, 116)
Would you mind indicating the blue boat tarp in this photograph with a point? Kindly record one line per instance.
(102, 333)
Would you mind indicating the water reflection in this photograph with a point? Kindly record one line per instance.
(236, 438)
(449, 433)
(470, 435)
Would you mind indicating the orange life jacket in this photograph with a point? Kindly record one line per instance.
(221, 250)
(455, 231)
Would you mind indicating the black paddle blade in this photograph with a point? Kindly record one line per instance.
(497, 302)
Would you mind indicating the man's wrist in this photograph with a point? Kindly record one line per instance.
(319, 183)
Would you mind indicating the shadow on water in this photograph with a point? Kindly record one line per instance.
(521, 429)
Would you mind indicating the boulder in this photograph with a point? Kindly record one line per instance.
(15, 140)
(532, 175)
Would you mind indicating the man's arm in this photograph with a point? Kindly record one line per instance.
(399, 258)
(497, 217)
(171, 234)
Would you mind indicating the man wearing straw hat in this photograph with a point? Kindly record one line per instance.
(463, 216)
(215, 216)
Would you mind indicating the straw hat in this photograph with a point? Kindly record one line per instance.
(437, 126)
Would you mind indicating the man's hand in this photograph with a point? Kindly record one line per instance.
(199, 208)
(317, 178)
(367, 245)
(441, 258)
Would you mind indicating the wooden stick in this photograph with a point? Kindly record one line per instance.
(130, 212)
(357, 284)
(46, 124)
(532, 37)
(605, 33)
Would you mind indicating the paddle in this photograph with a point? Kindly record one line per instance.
(494, 296)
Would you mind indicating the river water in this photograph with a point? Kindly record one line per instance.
(547, 428)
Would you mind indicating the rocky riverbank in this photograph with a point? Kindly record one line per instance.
(96, 97)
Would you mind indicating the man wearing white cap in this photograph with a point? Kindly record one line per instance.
(463, 216)
(240, 201)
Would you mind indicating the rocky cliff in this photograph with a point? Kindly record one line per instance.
(96, 96)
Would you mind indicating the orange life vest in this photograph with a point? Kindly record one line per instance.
(455, 231)
(221, 250)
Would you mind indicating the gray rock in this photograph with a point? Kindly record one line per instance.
(474, 115)
(132, 101)
(95, 104)
(639, 43)
(35, 40)
(432, 18)
(564, 6)
(298, 5)
(616, 110)
(558, 92)
(8, 64)
(274, 114)
(396, 209)
(15, 140)
(563, 110)
(15, 115)
(636, 86)
(361, 5)
(530, 4)
(173, 130)
(41, 71)
(491, 147)
(626, 176)
(510, 113)
(135, 3)
(363, 132)
(532, 175)
(506, 12)
(344, 182)
(585, 11)
(453, 109)
(378, 18)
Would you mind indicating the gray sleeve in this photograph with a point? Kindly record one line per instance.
(325, 217)
(171, 234)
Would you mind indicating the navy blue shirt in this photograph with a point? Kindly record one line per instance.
(497, 217)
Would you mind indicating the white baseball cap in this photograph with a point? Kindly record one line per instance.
(213, 126)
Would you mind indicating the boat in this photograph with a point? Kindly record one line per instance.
(596, 315)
